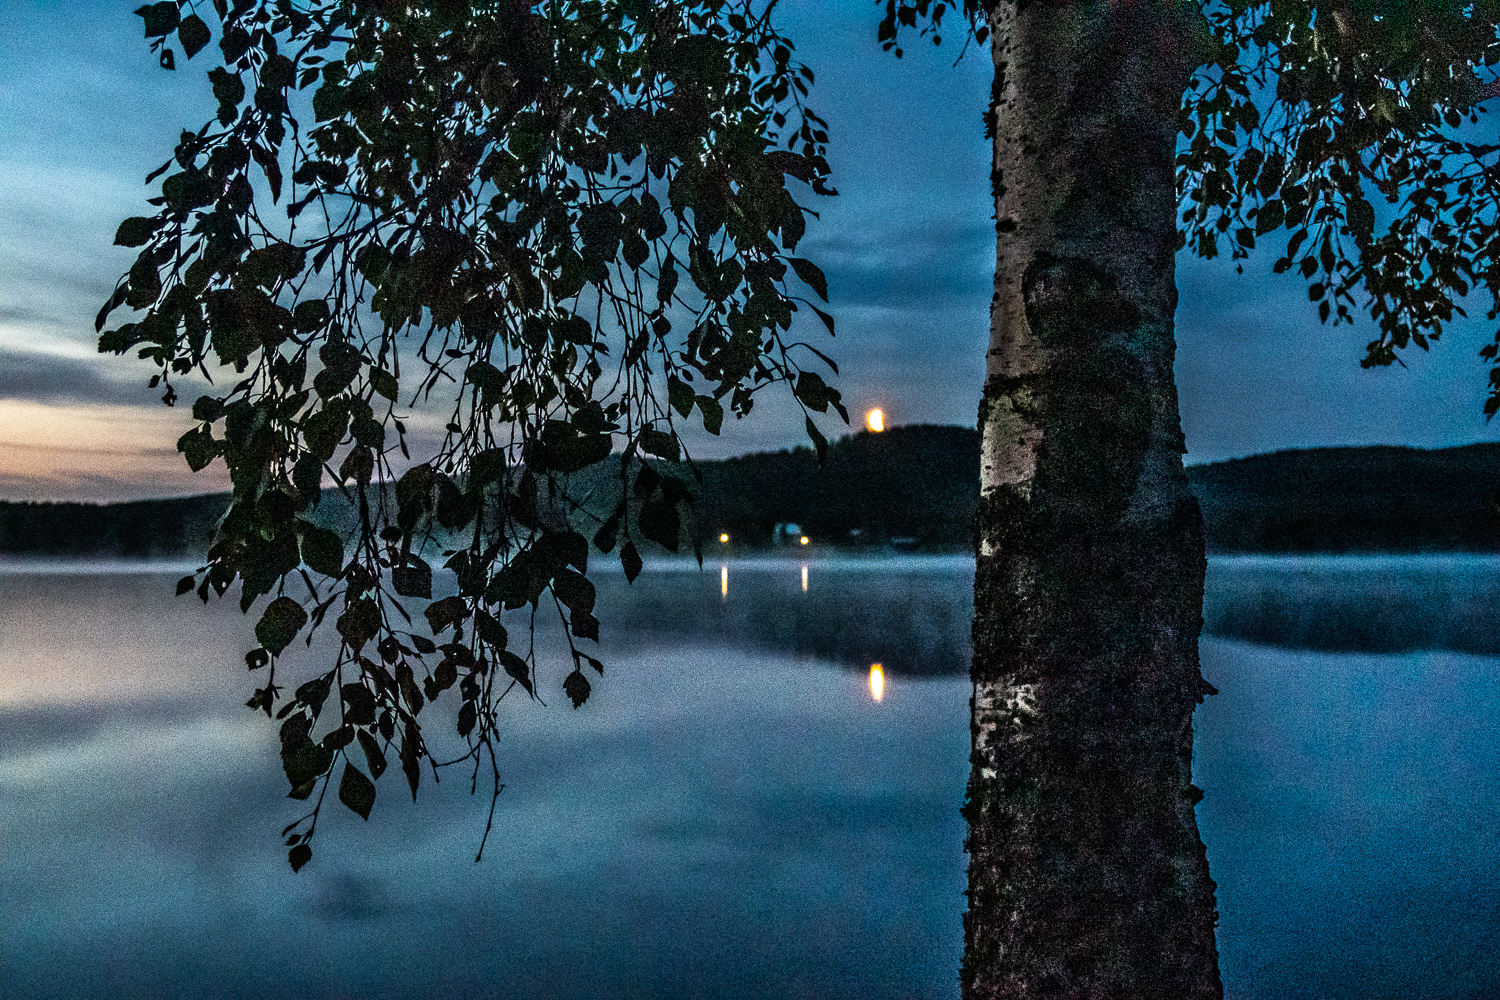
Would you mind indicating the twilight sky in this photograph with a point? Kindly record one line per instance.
(908, 247)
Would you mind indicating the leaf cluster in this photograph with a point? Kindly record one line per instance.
(445, 256)
(926, 18)
(1356, 132)
(1353, 129)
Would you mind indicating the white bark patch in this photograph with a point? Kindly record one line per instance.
(1009, 448)
(1003, 711)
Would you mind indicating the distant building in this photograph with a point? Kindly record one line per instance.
(786, 533)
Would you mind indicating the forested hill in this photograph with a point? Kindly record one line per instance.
(1353, 500)
(914, 488)
(917, 485)
(142, 529)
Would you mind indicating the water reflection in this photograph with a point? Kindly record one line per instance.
(713, 823)
(1349, 805)
(910, 614)
(1369, 604)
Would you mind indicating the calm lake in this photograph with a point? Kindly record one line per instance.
(733, 813)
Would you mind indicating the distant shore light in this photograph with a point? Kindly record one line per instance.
(875, 420)
(724, 537)
(804, 540)
(877, 681)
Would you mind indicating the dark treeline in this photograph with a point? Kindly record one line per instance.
(918, 485)
(1353, 500)
(142, 529)
(915, 485)
(914, 488)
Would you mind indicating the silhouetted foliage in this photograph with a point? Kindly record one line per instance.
(508, 198)
(465, 250)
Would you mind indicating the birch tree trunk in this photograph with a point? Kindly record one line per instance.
(1087, 877)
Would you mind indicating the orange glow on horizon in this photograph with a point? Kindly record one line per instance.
(96, 452)
(877, 681)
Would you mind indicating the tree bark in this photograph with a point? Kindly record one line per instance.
(1087, 877)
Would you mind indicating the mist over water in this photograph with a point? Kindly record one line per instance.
(1357, 604)
(732, 813)
(913, 613)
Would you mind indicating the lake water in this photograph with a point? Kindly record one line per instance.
(733, 814)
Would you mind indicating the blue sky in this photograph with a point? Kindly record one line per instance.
(908, 247)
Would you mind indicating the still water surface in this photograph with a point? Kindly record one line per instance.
(733, 813)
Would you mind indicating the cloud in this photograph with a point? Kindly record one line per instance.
(920, 268)
(94, 450)
(48, 378)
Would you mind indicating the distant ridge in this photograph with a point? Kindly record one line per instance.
(914, 488)
(139, 529)
(1370, 499)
